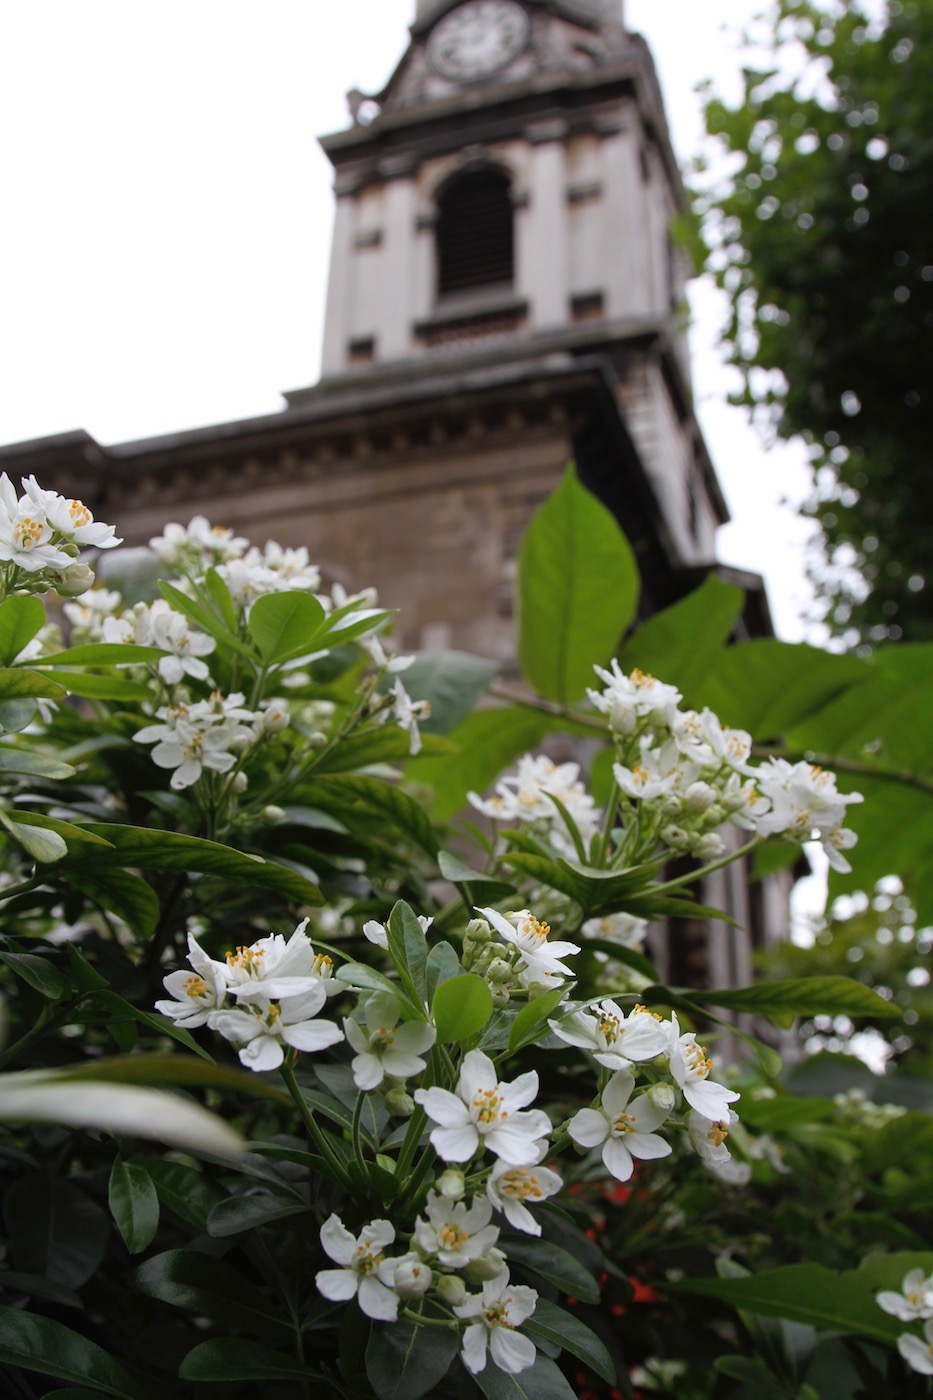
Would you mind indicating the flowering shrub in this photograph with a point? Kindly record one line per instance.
(221, 876)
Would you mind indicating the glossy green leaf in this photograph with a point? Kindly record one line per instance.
(443, 964)
(477, 886)
(43, 845)
(236, 1214)
(106, 654)
(451, 682)
(222, 599)
(405, 1362)
(680, 644)
(16, 715)
(578, 588)
(134, 1204)
(555, 1324)
(95, 687)
(182, 1189)
(376, 799)
(39, 1344)
(200, 1283)
(461, 1008)
(232, 1359)
(615, 951)
(169, 850)
(532, 1019)
(767, 686)
(35, 765)
(121, 892)
(542, 1381)
(20, 619)
(285, 625)
(37, 972)
(408, 948)
(555, 1265)
(809, 1293)
(803, 996)
(361, 975)
(21, 683)
(73, 834)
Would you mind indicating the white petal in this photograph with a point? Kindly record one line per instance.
(456, 1144)
(262, 1054)
(312, 1035)
(589, 1128)
(618, 1159)
(443, 1107)
(377, 1301)
(647, 1146)
(368, 1072)
(339, 1285)
(337, 1242)
(511, 1351)
(473, 1347)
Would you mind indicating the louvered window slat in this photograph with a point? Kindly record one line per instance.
(475, 235)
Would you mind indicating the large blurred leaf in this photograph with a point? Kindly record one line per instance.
(451, 682)
(204, 1285)
(680, 644)
(373, 797)
(39, 1344)
(232, 1359)
(404, 1362)
(768, 686)
(20, 619)
(554, 1324)
(20, 683)
(578, 591)
(803, 996)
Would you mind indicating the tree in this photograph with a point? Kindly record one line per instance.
(819, 236)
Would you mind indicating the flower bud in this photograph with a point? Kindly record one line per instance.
(674, 836)
(622, 716)
(398, 1103)
(272, 815)
(500, 997)
(499, 970)
(411, 1277)
(662, 1096)
(709, 847)
(451, 1184)
(478, 931)
(317, 740)
(275, 717)
(451, 1290)
(716, 814)
(699, 797)
(488, 1266)
(74, 580)
(240, 783)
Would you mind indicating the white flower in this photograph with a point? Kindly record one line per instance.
(484, 1113)
(377, 654)
(709, 1137)
(690, 1068)
(499, 1310)
(74, 521)
(526, 796)
(625, 1130)
(377, 934)
(292, 568)
(199, 544)
(455, 1232)
(540, 959)
(407, 713)
(275, 969)
(805, 804)
(513, 1189)
(615, 1039)
(89, 609)
(196, 994)
(261, 1029)
(630, 699)
(914, 1302)
(365, 1273)
(171, 632)
(628, 930)
(386, 1048)
(26, 536)
(917, 1354)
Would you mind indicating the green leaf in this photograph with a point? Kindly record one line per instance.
(123, 893)
(238, 1213)
(38, 972)
(461, 1008)
(200, 1283)
(20, 619)
(222, 598)
(529, 1021)
(43, 845)
(803, 996)
(55, 1230)
(443, 964)
(577, 592)
(169, 850)
(408, 948)
(23, 684)
(404, 1362)
(95, 687)
(681, 644)
(476, 885)
(809, 1293)
(73, 834)
(768, 686)
(542, 1381)
(198, 612)
(16, 715)
(36, 765)
(555, 1324)
(182, 1190)
(451, 682)
(377, 799)
(285, 625)
(232, 1359)
(134, 1204)
(106, 654)
(39, 1344)
(360, 975)
(555, 1265)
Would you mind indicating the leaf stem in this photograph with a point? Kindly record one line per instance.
(701, 874)
(317, 1134)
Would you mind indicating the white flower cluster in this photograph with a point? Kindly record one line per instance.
(205, 734)
(42, 532)
(625, 1127)
(914, 1303)
(262, 998)
(159, 625)
(525, 956)
(691, 775)
(526, 797)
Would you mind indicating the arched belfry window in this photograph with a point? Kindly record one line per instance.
(475, 233)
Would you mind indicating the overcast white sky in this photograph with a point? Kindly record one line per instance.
(167, 212)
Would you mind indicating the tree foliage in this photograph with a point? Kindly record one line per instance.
(819, 235)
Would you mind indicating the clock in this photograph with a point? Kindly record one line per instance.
(478, 38)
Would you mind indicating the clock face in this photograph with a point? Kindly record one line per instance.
(478, 38)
